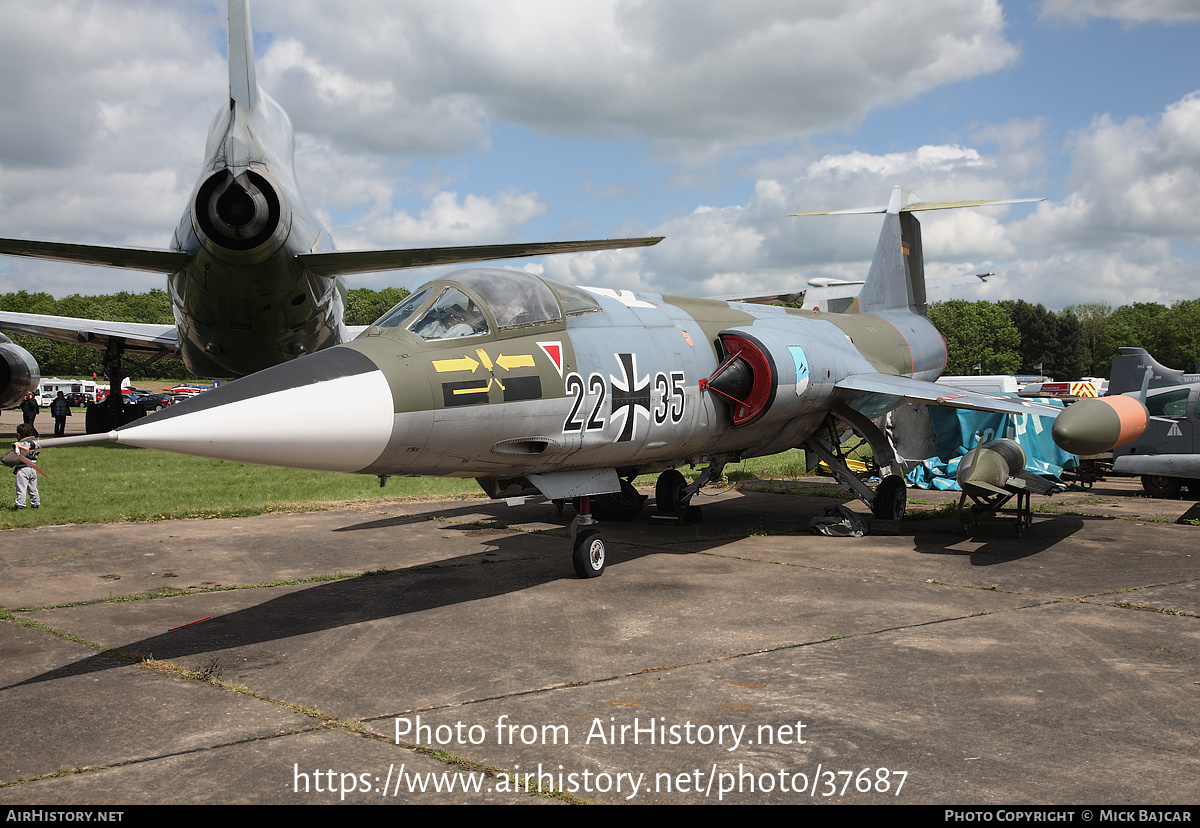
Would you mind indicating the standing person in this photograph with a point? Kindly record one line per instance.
(59, 410)
(27, 447)
(30, 410)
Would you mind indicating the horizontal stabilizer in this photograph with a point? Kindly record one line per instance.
(930, 393)
(918, 206)
(368, 261)
(155, 261)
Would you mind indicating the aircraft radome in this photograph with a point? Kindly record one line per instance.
(253, 278)
(536, 387)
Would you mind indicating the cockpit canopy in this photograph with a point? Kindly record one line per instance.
(477, 300)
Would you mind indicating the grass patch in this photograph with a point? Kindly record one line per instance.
(789, 464)
(944, 510)
(111, 483)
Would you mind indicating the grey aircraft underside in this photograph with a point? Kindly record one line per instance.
(253, 278)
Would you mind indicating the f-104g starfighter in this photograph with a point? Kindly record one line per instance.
(533, 386)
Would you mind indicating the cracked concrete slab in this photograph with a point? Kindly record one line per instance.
(1058, 668)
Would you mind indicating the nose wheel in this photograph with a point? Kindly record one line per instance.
(588, 551)
(589, 555)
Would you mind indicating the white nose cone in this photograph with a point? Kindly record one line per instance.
(329, 411)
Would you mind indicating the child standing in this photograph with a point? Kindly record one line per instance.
(27, 447)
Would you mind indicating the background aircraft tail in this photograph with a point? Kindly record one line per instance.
(896, 280)
(243, 87)
(1129, 371)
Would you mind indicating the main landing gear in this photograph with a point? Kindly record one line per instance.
(624, 505)
(113, 412)
(673, 494)
(890, 498)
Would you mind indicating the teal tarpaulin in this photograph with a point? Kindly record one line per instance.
(957, 430)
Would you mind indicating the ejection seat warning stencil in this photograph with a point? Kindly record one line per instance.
(475, 392)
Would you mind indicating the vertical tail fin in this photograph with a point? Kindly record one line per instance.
(243, 88)
(1130, 367)
(896, 280)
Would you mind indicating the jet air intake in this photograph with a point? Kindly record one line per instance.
(237, 212)
(746, 379)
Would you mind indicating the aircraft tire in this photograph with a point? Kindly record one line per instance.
(668, 493)
(1159, 485)
(891, 498)
(624, 505)
(590, 554)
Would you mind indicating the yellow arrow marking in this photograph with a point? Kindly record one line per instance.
(461, 364)
(483, 357)
(519, 361)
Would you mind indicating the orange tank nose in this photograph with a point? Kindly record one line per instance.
(1092, 426)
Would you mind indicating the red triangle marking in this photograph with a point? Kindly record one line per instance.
(554, 351)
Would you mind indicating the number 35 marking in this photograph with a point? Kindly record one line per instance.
(670, 397)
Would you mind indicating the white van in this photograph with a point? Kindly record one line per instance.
(995, 384)
(48, 389)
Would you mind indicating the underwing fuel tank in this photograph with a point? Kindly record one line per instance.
(989, 466)
(1099, 424)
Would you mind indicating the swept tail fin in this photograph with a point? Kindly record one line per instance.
(896, 280)
(1132, 367)
(243, 88)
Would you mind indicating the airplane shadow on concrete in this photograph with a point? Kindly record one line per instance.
(504, 564)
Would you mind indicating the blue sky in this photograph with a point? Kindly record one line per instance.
(482, 121)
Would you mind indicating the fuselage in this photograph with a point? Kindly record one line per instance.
(497, 373)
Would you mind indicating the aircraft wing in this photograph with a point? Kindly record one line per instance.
(341, 262)
(155, 261)
(140, 337)
(326, 264)
(930, 393)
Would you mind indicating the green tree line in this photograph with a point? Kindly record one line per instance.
(363, 306)
(1013, 336)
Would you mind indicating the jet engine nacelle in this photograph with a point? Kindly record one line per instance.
(241, 219)
(19, 372)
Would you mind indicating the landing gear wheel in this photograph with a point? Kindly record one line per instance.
(668, 493)
(624, 505)
(589, 555)
(891, 498)
(1159, 485)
